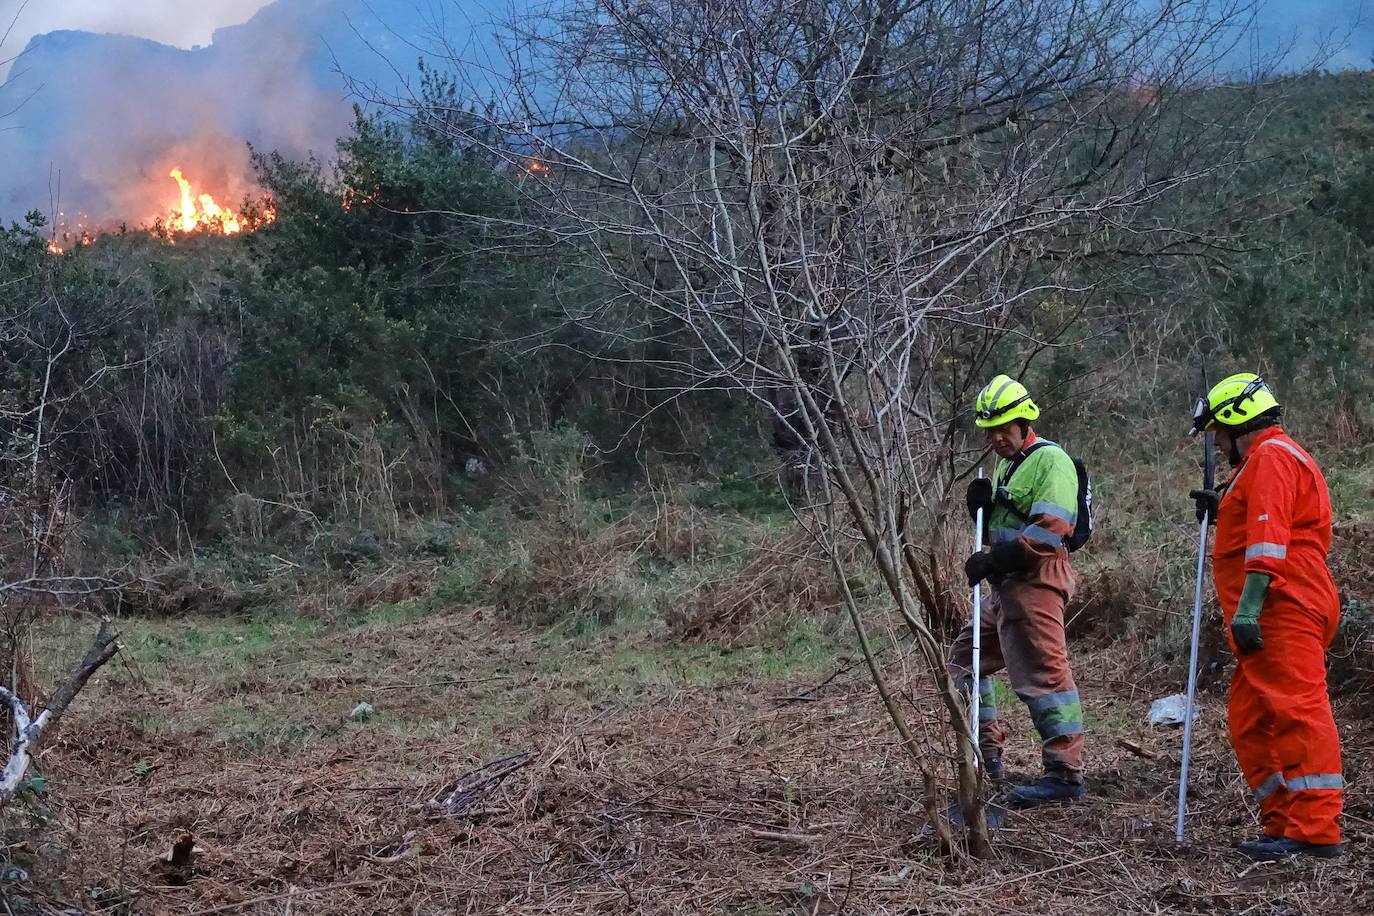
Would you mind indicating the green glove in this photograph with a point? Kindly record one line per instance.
(1245, 626)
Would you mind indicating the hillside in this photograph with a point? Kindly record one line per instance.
(111, 114)
(455, 575)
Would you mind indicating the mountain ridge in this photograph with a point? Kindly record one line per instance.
(110, 114)
(95, 120)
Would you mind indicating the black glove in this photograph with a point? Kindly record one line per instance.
(1207, 502)
(978, 567)
(979, 496)
(1247, 636)
(1003, 560)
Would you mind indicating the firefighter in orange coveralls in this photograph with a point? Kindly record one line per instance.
(1030, 512)
(1273, 531)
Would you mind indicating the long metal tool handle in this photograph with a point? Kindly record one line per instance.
(977, 625)
(1209, 481)
(1192, 683)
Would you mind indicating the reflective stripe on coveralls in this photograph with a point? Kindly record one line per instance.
(987, 701)
(1275, 519)
(1270, 785)
(1057, 714)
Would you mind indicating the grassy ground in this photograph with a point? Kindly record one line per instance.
(659, 712)
(657, 772)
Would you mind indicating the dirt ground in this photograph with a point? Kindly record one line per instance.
(511, 770)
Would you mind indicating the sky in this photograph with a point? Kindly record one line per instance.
(186, 23)
(173, 22)
(182, 23)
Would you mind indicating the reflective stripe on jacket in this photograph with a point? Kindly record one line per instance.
(1044, 488)
(1275, 518)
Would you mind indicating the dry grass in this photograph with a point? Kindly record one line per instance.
(572, 575)
(704, 773)
(783, 578)
(658, 777)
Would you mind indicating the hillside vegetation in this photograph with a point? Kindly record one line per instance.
(368, 454)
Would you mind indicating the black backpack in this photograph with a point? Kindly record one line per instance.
(1084, 527)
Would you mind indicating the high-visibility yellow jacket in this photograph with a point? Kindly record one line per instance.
(1037, 497)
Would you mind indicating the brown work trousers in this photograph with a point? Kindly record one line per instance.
(1023, 632)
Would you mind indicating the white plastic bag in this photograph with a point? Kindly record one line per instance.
(1172, 710)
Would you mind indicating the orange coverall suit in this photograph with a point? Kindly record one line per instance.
(1275, 518)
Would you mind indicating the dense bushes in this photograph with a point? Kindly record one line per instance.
(402, 322)
(385, 340)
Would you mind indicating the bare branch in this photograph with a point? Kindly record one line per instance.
(29, 731)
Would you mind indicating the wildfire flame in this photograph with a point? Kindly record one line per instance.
(202, 211)
(196, 213)
(68, 237)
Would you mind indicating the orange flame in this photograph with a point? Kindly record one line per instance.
(202, 211)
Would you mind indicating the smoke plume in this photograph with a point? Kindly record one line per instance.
(91, 124)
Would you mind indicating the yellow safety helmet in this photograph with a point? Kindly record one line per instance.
(1233, 401)
(1003, 400)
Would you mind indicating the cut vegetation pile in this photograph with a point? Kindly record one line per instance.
(784, 579)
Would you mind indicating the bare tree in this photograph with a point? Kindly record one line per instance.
(50, 365)
(850, 210)
(9, 18)
(29, 729)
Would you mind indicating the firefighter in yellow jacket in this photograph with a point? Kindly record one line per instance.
(1031, 507)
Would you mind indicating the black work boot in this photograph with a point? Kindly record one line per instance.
(1271, 849)
(994, 769)
(1048, 789)
(1262, 838)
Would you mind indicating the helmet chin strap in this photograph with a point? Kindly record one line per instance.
(1233, 454)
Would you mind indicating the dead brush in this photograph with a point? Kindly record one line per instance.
(183, 588)
(783, 579)
(1350, 671)
(322, 595)
(398, 582)
(681, 533)
(583, 576)
(1350, 668)
(1108, 594)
